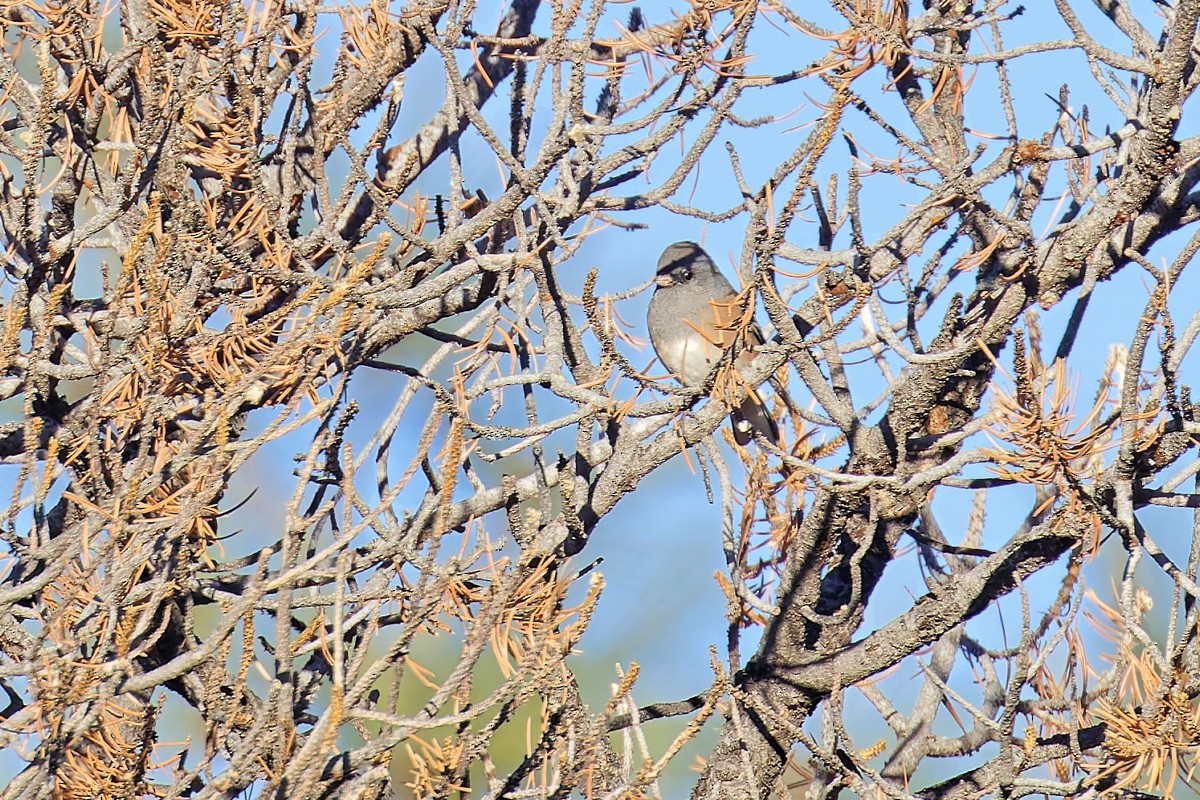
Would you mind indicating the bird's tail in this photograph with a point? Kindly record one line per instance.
(751, 416)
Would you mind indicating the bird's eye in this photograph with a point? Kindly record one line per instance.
(685, 273)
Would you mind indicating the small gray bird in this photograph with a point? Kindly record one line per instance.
(692, 322)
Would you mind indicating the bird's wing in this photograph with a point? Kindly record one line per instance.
(725, 320)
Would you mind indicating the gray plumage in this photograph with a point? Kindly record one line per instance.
(690, 318)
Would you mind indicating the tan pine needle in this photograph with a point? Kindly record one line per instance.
(877, 34)
(1040, 438)
(196, 21)
(1152, 728)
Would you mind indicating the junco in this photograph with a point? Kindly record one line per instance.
(692, 321)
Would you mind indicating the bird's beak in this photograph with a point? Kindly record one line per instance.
(663, 281)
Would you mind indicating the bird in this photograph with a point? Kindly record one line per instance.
(692, 321)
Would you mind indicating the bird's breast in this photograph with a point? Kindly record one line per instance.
(689, 356)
